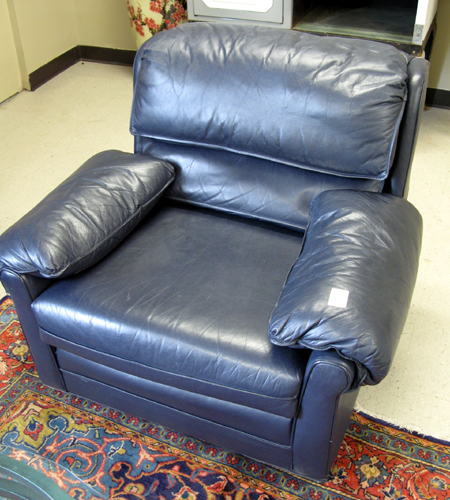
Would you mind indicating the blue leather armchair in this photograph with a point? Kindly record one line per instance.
(251, 265)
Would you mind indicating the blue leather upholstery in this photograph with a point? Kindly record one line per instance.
(283, 196)
(172, 322)
(366, 246)
(216, 279)
(86, 216)
(291, 97)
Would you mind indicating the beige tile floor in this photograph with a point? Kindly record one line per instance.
(47, 134)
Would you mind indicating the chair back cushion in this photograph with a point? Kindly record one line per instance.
(327, 105)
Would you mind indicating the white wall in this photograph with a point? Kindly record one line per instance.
(104, 23)
(440, 56)
(10, 80)
(47, 30)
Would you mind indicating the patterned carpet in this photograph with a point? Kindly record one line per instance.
(95, 452)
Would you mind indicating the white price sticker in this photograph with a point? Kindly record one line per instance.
(338, 298)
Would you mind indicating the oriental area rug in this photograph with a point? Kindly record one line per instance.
(94, 452)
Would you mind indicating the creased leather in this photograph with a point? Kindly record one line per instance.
(86, 216)
(189, 292)
(245, 185)
(369, 245)
(329, 104)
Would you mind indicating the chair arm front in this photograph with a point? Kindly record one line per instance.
(86, 216)
(351, 287)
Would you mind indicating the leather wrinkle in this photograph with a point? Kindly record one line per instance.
(246, 186)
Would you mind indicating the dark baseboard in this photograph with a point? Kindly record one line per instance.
(79, 53)
(53, 68)
(106, 55)
(438, 98)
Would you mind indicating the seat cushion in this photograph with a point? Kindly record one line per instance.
(185, 301)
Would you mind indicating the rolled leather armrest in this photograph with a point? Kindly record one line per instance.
(86, 216)
(351, 287)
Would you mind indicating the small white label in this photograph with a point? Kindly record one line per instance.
(338, 298)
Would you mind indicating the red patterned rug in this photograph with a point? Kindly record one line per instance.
(95, 452)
